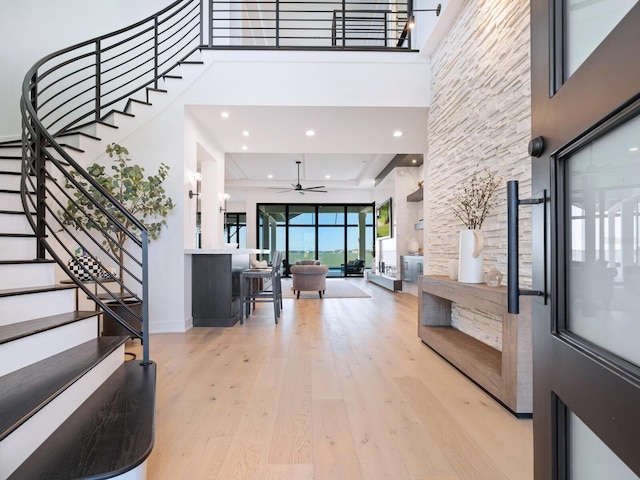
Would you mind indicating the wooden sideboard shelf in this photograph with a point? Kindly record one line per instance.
(506, 374)
(390, 283)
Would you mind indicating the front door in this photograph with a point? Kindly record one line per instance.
(586, 238)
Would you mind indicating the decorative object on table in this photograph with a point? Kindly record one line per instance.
(145, 198)
(413, 246)
(472, 205)
(493, 277)
(453, 269)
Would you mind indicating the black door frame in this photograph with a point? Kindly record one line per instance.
(601, 89)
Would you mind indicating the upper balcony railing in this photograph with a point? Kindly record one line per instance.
(310, 24)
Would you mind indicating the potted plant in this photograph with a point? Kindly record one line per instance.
(144, 197)
(471, 205)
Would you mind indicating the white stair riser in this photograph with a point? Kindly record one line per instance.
(33, 348)
(23, 275)
(11, 165)
(18, 308)
(16, 248)
(22, 442)
(10, 201)
(100, 131)
(14, 224)
(9, 181)
(138, 473)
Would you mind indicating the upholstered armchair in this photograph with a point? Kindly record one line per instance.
(309, 277)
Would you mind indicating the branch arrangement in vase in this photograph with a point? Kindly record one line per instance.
(476, 199)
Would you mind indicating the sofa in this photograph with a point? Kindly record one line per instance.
(353, 267)
(308, 277)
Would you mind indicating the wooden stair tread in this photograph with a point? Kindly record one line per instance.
(23, 261)
(110, 434)
(29, 290)
(18, 235)
(26, 391)
(18, 330)
(15, 212)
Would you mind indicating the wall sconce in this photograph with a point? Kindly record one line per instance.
(223, 207)
(197, 177)
(412, 20)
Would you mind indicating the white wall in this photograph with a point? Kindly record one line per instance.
(32, 29)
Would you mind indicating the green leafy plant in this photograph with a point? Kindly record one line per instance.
(476, 199)
(144, 198)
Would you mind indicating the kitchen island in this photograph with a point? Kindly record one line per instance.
(215, 284)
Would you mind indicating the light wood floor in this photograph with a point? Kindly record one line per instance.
(340, 389)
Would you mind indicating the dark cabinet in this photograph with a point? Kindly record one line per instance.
(215, 289)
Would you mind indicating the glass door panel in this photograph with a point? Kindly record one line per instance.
(603, 185)
(588, 22)
(331, 248)
(589, 458)
(360, 234)
(272, 227)
(302, 215)
(302, 243)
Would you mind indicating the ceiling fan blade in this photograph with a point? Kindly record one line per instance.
(315, 188)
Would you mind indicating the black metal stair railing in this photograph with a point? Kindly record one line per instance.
(67, 92)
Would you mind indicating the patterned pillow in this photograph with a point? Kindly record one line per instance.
(87, 268)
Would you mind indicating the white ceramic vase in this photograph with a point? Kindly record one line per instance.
(470, 257)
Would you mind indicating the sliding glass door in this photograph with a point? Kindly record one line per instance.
(333, 234)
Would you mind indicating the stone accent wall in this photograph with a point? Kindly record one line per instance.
(480, 117)
(482, 326)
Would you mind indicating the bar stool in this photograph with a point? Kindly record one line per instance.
(261, 285)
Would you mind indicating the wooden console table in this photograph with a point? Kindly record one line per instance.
(505, 375)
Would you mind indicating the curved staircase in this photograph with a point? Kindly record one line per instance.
(67, 396)
(72, 404)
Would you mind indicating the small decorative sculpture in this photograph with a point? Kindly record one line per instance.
(493, 277)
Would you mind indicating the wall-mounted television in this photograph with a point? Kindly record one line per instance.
(384, 225)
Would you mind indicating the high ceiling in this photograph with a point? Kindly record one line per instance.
(350, 147)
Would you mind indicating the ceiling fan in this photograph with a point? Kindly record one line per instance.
(298, 187)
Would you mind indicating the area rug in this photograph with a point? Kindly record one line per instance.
(336, 288)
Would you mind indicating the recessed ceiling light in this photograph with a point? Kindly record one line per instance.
(244, 147)
(224, 114)
(245, 133)
(327, 177)
(269, 176)
(633, 149)
(397, 133)
(414, 161)
(309, 133)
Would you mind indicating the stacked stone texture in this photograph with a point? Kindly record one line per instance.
(480, 117)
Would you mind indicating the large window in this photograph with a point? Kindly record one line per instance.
(333, 234)
(235, 229)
